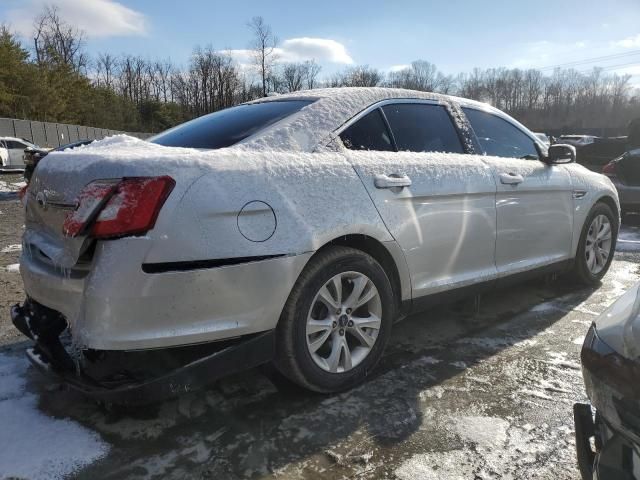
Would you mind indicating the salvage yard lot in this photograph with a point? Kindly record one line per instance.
(459, 394)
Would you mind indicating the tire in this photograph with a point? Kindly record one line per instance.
(581, 268)
(318, 371)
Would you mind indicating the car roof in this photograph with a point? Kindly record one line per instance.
(15, 139)
(371, 93)
(314, 124)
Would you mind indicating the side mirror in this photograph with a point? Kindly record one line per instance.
(560, 153)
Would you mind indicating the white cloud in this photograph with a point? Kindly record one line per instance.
(97, 18)
(629, 42)
(399, 68)
(301, 49)
(320, 49)
(242, 56)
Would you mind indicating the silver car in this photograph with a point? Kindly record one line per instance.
(294, 229)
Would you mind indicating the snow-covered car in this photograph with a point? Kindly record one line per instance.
(292, 229)
(608, 446)
(12, 153)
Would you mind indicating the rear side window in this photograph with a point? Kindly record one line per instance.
(422, 128)
(499, 138)
(368, 133)
(230, 126)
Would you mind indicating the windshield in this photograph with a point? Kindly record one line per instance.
(230, 126)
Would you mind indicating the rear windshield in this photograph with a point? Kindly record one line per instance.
(228, 127)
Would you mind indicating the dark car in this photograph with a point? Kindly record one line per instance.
(32, 155)
(624, 172)
(608, 442)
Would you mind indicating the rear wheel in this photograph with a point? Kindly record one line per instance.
(336, 322)
(597, 245)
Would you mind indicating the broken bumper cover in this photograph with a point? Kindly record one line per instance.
(50, 357)
(608, 447)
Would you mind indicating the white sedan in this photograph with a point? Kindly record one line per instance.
(293, 229)
(12, 153)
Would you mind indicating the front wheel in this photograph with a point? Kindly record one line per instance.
(597, 245)
(336, 322)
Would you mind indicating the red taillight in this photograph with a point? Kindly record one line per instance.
(609, 168)
(91, 199)
(129, 207)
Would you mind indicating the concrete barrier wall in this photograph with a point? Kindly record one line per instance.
(46, 134)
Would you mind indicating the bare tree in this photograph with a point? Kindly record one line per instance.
(106, 70)
(312, 72)
(360, 76)
(264, 49)
(57, 42)
(293, 76)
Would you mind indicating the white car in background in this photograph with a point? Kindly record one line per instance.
(12, 153)
(294, 229)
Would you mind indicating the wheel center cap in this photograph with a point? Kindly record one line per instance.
(343, 320)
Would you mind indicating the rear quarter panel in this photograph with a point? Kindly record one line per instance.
(316, 197)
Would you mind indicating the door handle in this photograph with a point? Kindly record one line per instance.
(391, 181)
(511, 178)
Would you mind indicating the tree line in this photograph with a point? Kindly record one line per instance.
(54, 79)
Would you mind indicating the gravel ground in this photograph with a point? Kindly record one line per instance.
(459, 394)
(10, 234)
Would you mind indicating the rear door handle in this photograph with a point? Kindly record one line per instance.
(391, 181)
(511, 178)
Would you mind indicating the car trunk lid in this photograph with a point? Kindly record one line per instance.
(60, 184)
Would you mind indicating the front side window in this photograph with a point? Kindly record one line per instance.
(422, 128)
(368, 133)
(499, 138)
(12, 144)
(229, 126)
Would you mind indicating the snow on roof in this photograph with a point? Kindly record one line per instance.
(312, 126)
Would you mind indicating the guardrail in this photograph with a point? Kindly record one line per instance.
(47, 134)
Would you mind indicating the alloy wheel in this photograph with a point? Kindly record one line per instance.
(598, 244)
(343, 322)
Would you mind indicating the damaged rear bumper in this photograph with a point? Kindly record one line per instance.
(103, 375)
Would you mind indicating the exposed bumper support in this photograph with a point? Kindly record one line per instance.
(245, 353)
(585, 430)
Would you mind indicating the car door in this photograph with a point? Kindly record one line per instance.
(437, 202)
(534, 201)
(16, 152)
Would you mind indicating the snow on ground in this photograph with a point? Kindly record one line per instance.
(13, 268)
(12, 248)
(32, 444)
(11, 186)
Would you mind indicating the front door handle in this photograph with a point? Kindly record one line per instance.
(511, 178)
(391, 181)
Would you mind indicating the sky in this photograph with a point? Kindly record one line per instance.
(455, 35)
